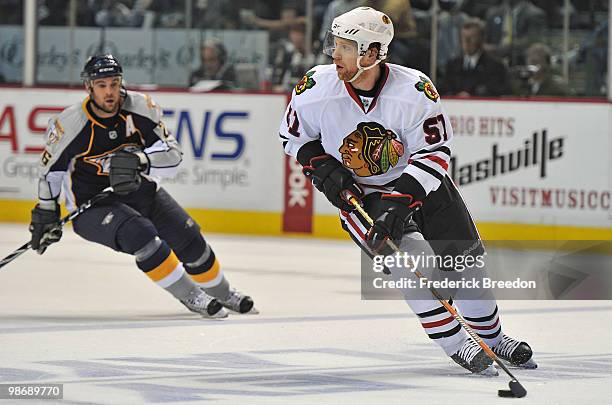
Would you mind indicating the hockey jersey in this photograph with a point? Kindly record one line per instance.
(402, 129)
(80, 144)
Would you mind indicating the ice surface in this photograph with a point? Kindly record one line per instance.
(86, 317)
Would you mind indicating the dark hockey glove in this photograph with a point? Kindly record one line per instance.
(334, 180)
(125, 169)
(44, 228)
(390, 225)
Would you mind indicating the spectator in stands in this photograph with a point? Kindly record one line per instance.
(593, 53)
(476, 72)
(541, 81)
(478, 8)
(403, 49)
(214, 14)
(114, 13)
(166, 13)
(290, 62)
(214, 67)
(292, 12)
(107, 12)
(450, 21)
(244, 11)
(420, 5)
(319, 7)
(512, 26)
(141, 14)
(53, 12)
(11, 12)
(138, 13)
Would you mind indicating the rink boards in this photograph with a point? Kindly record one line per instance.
(527, 169)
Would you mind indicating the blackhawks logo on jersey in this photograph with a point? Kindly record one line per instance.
(306, 83)
(427, 87)
(371, 149)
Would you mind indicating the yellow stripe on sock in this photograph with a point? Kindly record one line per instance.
(208, 275)
(165, 268)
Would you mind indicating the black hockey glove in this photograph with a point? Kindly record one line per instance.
(334, 180)
(45, 228)
(390, 225)
(125, 169)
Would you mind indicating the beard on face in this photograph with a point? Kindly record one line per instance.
(112, 109)
(346, 74)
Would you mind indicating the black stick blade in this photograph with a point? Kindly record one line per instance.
(516, 390)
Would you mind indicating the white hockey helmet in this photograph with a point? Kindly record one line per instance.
(365, 26)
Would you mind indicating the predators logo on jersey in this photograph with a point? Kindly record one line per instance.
(371, 149)
(427, 87)
(55, 132)
(102, 162)
(306, 83)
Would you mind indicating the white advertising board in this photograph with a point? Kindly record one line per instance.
(515, 162)
(533, 162)
(232, 159)
(530, 162)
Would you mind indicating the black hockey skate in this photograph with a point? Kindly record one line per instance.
(471, 357)
(201, 303)
(238, 302)
(515, 352)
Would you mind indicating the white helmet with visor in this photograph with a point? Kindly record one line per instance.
(365, 26)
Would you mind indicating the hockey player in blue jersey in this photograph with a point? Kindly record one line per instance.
(117, 138)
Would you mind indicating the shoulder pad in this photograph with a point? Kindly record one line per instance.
(65, 126)
(416, 83)
(62, 129)
(72, 119)
(316, 83)
(306, 82)
(142, 104)
(317, 76)
(426, 86)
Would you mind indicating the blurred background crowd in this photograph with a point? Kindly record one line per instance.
(477, 48)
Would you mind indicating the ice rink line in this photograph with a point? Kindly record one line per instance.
(242, 320)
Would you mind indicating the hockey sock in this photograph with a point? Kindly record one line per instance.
(439, 324)
(436, 321)
(161, 265)
(483, 317)
(207, 273)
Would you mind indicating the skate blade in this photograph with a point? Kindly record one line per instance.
(488, 372)
(253, 311)
(528, 365)
(222, 313)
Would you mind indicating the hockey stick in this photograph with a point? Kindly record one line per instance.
(80, 209)
(516, 389)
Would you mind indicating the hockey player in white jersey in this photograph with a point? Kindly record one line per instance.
(373, 130)
(116, 138)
